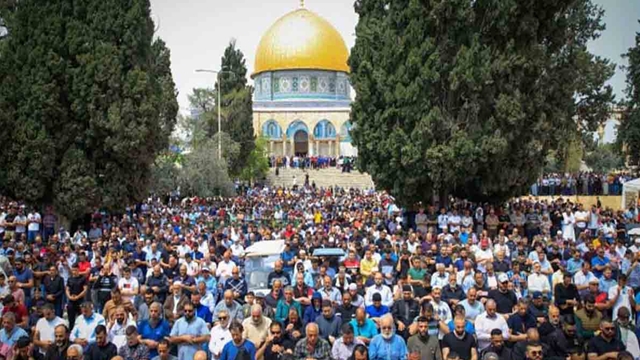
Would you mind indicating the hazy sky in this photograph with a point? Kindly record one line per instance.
(197, 32)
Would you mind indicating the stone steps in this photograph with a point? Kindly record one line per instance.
(322, 178)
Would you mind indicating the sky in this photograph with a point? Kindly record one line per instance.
(198, 31)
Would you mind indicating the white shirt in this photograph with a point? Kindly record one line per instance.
(482, 255)
(439, 281)
(20, 228)
(224, 269)
(383, 290)
(581, 219)
(484, 325)
(46, 329)
(443, 221)
(581, 279)
(117, 333)
(538, 282)
(34, 224)
(443, 311)
(219, 338)
(623, 299)
(129, 285)
(86, 328)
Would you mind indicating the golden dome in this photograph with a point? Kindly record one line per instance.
(301, 40)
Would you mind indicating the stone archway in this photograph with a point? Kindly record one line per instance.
(301, 143)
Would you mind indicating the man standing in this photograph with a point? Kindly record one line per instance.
(154, 329)
(497, 346)
(84, 330)
(606, 345)
(428, 346)
(343, 347)
(312, 346)
(24, 279)
(54, 289)
(463, 343)
(328, 324)
(256, 328)
(387, 345)
(102, 349)
(133, 349)
(504, 298)
(58, 351)
(405, 311)
(277, 346)
(10, 333)
(237, 285)
(189, 333)
(44, 335)
(379, 288)
(488, 321)
(117, 327)
(77, 288)
(238, 348)
(174, 305)
(220, 334)
(163, 351)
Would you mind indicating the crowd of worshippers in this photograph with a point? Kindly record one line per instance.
(166, 282)
(582, 183)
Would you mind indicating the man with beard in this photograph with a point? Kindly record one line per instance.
(505, 299)
(202, 311)
(406, 310)
(278, 274)
(277, 346)
(237, 285)
(566, 342)
(379, 288)
(452, 294)
(588, 318)
(463, 343)
(117, 300)
(84, 329)
(606, 345)
(164, 351)
(520, 349)
(346, 311)
(537, 308)
(144, 306)
(238, 347)
(314, 310)
(77, 288)
(256, 328)
(58, 351)
(102, 349)
(158, 282)
(22, 349)
(220, 334)
(286, 303)
(117, 327)
(154, 329)
(174, 304)
(625, 331)
(387, 345)
(497, 346)
(427, 345)
(548, 327)
(44, 335)
(488, 321)
(312, 346)
(189, 333)
(328, 323)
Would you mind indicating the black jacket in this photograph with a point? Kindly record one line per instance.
(56, 353)
(405, 311)
(54, 286)
(95, 352)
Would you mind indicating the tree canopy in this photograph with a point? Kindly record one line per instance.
(629, 129)
(467, 98)
(87, 101)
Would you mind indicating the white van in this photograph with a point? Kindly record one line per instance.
(259, 262)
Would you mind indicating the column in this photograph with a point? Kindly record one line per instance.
(284, 147)
(293, 147)
(337, 145)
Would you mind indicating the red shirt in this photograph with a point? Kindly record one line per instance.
(18, 310)
(84, 266)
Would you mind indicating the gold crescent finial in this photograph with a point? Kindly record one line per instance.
(301, 3)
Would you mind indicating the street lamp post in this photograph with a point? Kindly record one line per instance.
(217, 72)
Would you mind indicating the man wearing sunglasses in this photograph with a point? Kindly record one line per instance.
(606, 345)
(276, 346)
(534, 351)
(220, 334)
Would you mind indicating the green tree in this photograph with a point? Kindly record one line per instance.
(203, 174)
(467, 97)
(205, 120)
(257, 164)
(165, 174)
(237, 103)
(603, 159)
(629, 129)
(87, 101)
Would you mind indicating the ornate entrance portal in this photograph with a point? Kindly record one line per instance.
(301, 142)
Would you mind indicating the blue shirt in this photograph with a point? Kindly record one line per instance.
(573, 265)
(162, 330)
(374, 312)
(24, 277)
(204, 313)
(392, 349)
(367, 330)
(597, 261)
(196, 327)
(230, 350)
(468, 327)
(10, 339)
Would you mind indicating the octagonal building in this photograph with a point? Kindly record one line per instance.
(302, 95)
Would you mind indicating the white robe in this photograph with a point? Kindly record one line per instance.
(568, 231)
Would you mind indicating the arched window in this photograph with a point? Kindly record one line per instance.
(272, 130)
(345, 132)
(324, 130)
